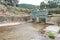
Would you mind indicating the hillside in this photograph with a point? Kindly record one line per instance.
(10, 10)
(29, 6)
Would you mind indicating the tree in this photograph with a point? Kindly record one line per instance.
(42, 5)
(10, 2)
(52, 4)
(15, 2)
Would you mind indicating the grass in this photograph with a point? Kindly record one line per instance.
(51, 35)
(15, 11)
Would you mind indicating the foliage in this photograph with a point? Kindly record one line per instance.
(17, 5)
(51, 35)
(29, 6)
(43, 5)
(56, 11)
(43, 20)
(52, 4)
(10, 2)
(59, 31)
(15, 11)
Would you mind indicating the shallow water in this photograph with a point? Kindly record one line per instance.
(26, 31)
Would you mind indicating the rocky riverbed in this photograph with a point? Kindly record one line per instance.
(19, 32)
(26, 31)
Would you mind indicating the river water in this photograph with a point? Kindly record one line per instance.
(21, 32)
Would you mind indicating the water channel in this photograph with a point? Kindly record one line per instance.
(26, 31)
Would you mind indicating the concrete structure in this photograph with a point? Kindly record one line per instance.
(7, 19)
(46, 17)
(41, 14)
(53, 18)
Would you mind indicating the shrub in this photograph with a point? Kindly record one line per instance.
(59, 31)
(44, 20)
(55, 12)
(51, 35)
(10, 4)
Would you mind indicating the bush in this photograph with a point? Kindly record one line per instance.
(59, 31)
(10, 4)
(15, 11)
(44, 20)
(51, 35)
(55, 12)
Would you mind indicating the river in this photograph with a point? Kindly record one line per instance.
(21, 32)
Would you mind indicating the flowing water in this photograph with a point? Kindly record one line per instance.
(25, 31)
(20, 32)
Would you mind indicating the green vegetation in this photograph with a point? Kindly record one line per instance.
(51, 35)
(29, 6)
(9, 7)
(56, 11)
(9, 2)
(59, 31)
(14, 10)
(43, 20)
(50, 4)
(43, 5)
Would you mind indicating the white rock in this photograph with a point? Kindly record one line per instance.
(52, 28)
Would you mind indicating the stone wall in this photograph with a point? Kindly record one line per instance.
(53, 19)
(4, 19)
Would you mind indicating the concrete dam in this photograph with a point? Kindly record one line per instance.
(7, 19)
